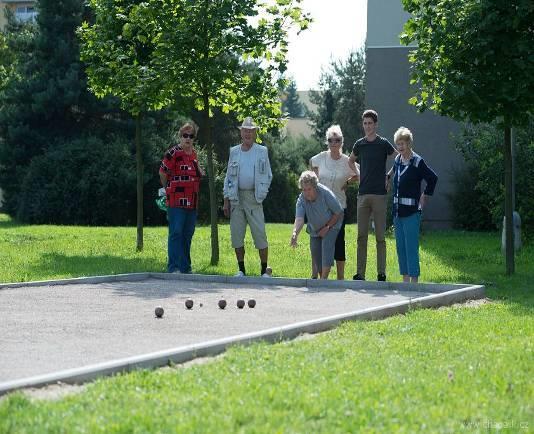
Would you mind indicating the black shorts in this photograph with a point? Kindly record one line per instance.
(339, 251)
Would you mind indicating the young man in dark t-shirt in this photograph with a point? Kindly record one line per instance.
(371, 152)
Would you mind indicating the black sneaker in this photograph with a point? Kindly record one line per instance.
(357, 277)
(381, 278)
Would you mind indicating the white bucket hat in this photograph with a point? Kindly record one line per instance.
(248, 124)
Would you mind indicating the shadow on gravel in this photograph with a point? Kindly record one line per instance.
(157, 289)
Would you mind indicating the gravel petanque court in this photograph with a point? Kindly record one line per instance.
(55, 326)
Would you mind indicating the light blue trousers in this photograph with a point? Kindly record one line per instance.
(322, 249)
(407, 238)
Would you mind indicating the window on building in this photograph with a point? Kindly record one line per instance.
(25, 13)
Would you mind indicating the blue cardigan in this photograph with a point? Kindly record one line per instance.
(407, 184)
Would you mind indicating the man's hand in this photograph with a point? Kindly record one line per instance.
(324, 230)
(388, 183)
(293, 242)
(354, 178)
(226, 207)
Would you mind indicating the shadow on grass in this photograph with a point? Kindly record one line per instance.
(84, 266)
(8, 223)
(205, 269)
(477, 258)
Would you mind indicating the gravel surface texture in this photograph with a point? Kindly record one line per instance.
(45, 329)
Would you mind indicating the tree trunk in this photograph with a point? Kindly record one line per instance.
(139, 161)
(508, 202)
(512, 138)
(211, 181)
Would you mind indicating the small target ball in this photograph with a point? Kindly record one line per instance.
(189, 303)
(222, 304)
(240, 304)
(159, 311)
(201, 305)
(251, 303)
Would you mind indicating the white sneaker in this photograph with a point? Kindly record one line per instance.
(176, 272)
(268, 272)
(239, 274)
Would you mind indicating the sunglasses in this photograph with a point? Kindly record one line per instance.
(336, 140)
(188, 136)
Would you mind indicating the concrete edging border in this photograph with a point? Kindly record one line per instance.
(132, 277)
(214, 347)
(285, 281)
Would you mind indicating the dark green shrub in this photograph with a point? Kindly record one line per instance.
(86, 181)
(288, 157)
(468, 210)
(478, 199)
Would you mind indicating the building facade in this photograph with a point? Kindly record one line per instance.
(388, 91)
(296, 127)
(23, 10)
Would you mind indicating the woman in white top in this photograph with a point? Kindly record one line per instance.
(335, 171)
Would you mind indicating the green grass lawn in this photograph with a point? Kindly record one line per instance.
(457, 369)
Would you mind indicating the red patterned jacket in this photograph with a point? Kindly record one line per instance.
(183, 178)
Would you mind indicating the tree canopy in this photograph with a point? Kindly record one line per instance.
(474, 59)
(230, 54)
(291, 104)
(6, 61)
(120, 50)
(221, 54)
(340, 99)
(44, 99)
(474, 62)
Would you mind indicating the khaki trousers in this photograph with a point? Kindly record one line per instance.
(247, 211)
(375, 205)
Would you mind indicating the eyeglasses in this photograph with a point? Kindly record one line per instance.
(334, 140)
(188, 136)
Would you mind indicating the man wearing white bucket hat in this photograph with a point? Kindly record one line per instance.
(247, 182)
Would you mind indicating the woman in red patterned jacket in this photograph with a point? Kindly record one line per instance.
(180, 175)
